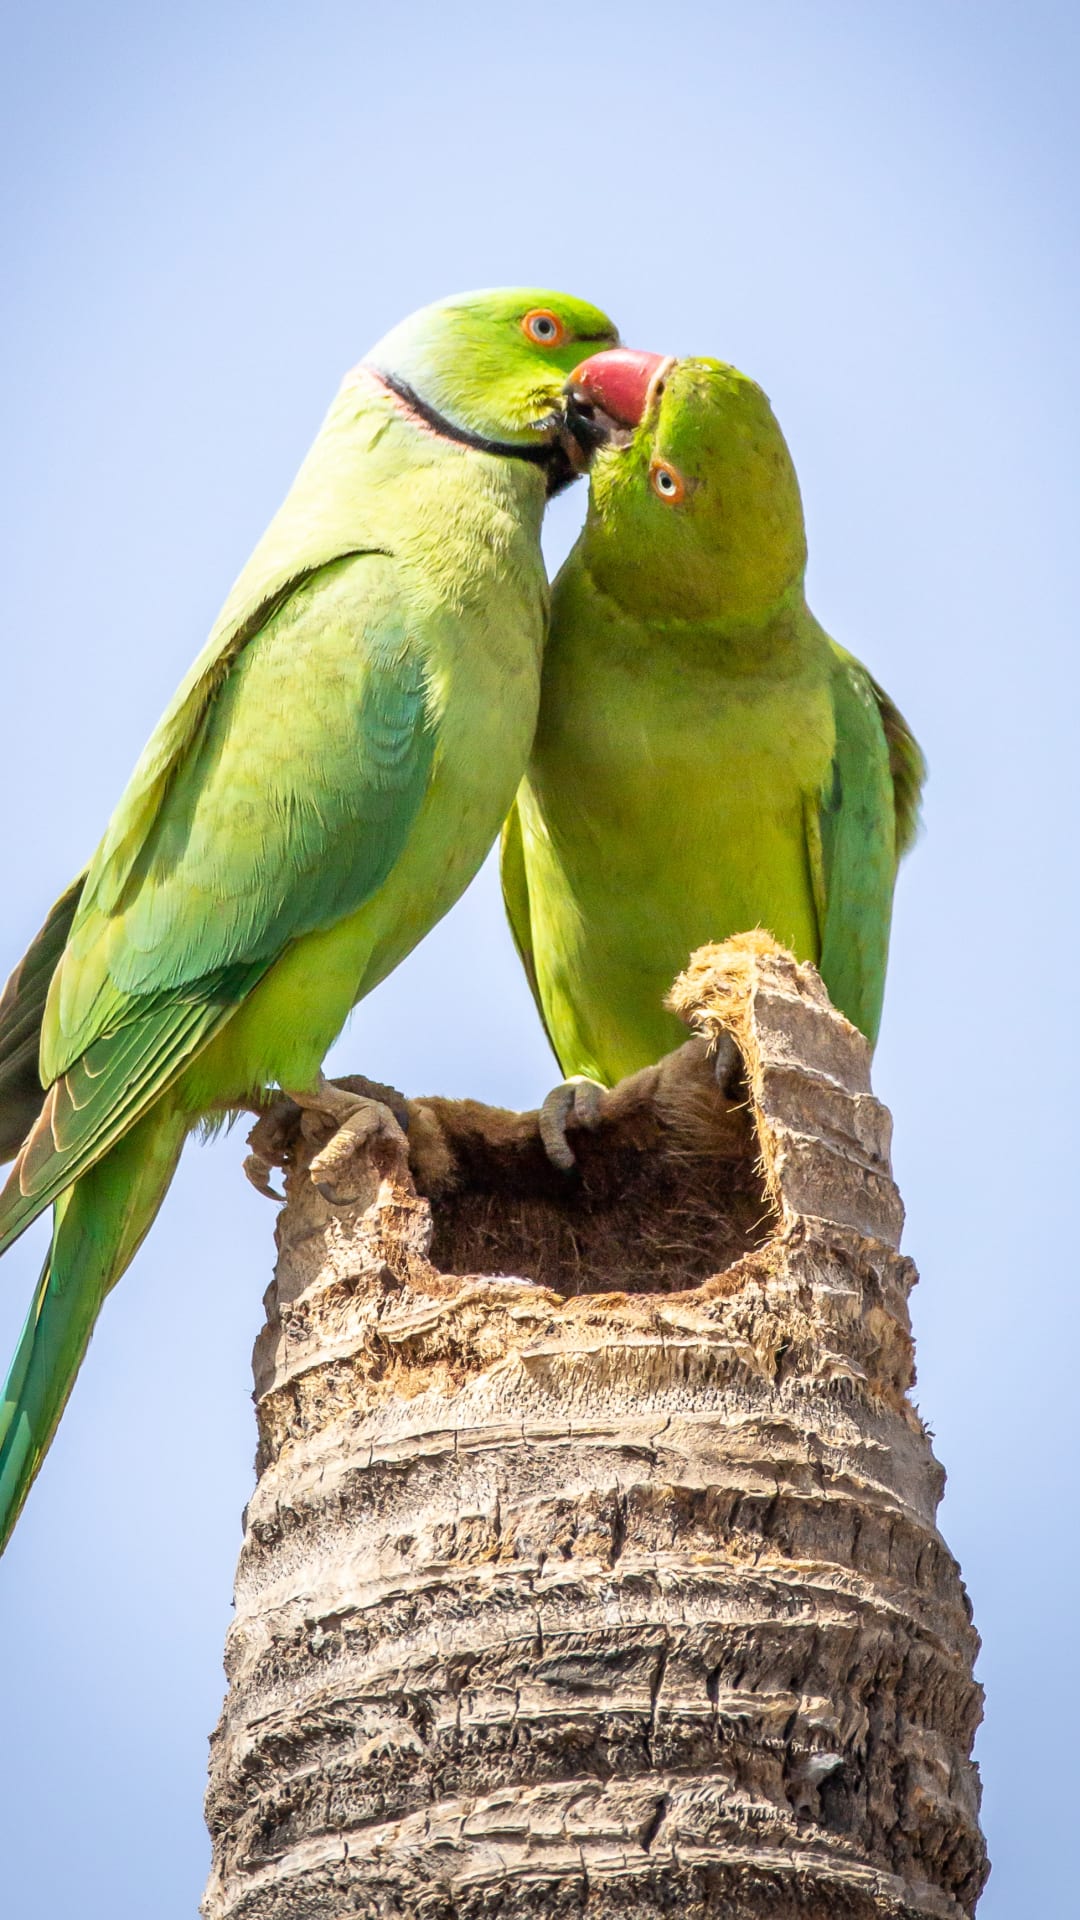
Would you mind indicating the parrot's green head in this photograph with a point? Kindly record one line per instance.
(696, 515)
(493, 367)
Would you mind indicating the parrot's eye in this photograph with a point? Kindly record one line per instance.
(666, 481)
(543, 328)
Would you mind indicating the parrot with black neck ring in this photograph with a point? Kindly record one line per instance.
(325, 783)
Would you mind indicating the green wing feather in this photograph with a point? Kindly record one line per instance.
(91, 1106)
(22, 1009)
(280, 812)
(330, 513)
(857, 831)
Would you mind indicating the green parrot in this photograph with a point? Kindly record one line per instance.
(707, 760)
(323, 786)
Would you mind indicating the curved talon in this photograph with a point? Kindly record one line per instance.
(578, 1099)
(270, 1140)
(257, 1169)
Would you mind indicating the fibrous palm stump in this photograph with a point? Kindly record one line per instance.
(592, 1566)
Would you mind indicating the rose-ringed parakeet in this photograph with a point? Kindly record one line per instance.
(707, 760)
(323, 786)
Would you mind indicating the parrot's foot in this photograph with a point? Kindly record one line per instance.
(270, 1139)
(362, 1119)
(577, 1101)
(362, 1113)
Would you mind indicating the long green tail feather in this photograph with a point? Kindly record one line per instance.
(99, 1225)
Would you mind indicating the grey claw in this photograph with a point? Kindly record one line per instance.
(270, 1140)
(727, 1061)
(258, 1172)
(554, 1114)
(579, 1099)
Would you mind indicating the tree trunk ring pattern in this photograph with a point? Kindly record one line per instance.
(592, 1566)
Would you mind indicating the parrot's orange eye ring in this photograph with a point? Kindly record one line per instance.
(667, 482)
(543, 328)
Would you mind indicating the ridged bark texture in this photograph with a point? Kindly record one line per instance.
(592, 1567)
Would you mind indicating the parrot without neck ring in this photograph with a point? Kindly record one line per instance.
(707, 760)
(323, 786)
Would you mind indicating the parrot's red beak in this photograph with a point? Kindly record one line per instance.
(619, 382)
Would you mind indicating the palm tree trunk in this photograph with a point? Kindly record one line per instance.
(592, 1565)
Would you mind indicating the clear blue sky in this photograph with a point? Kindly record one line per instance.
(210, 211)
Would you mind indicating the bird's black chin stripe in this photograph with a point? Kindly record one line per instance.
(550, 455)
